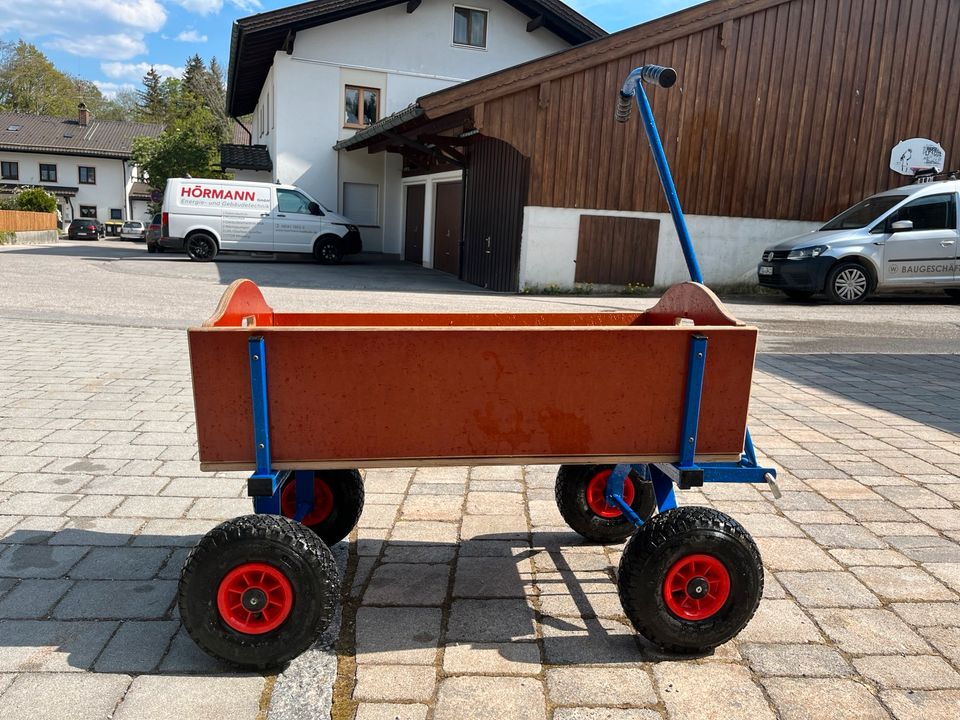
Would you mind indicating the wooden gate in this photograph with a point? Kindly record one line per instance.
(413, 224)
(617, 250)
(446, 227)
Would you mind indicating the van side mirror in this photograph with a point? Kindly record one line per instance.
(901, 225)
(314, 209)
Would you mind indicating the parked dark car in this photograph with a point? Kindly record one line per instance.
(85, 229)
(153, 235)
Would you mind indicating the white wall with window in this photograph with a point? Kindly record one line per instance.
(347, 74)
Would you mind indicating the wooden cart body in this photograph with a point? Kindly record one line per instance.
(398, 389)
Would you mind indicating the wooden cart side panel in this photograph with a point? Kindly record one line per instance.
(469, 393)
(689, 301)
(241, 301)
(504, 320)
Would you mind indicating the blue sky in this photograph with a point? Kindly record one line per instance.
(114, 42)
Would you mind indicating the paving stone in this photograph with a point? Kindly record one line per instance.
(889, 530)
(918, 672)
(114, 485)
(173, 533)
(796, 660)
(827, 589)
(494, 527)
(45, 696)
(600, 686)
(408, 584)
(446, 508)
(97, 531)
(496, 472)
(768, 525)
(419, 553)
(905, 583)
(890, 558)
(494, 620)
(584, 641)
(32, 598)
(944, 639)
(715, 690)
(780, 621)
(397, 636)
(794, 554)
(513, 658)
(874, 510)
(566, 595)
(844, 536)
(185, 656)
(492, 577)
(578, 559)
(35, 503)
(220, 508)
(940, 519)
(907, 496)
(46, 483)
(494, 503)
(137, 647)
(385, 683)
(922, 705)
(481, 698)
(949, 573)
(49, 646)
(494, 548)
(823, 699)
(38, 561)
(456, 489)
(441, 474)
(121, 599)
(601, 713)
(922, 614)
(869, 632)
(120, 563)
(162, 697)
(153, 507)
(422, 531)
(391, 711)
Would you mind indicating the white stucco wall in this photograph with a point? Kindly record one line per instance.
(110, 190)
(728, 248)
(299, 116)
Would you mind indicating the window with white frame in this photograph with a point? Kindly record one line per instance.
(469, 27)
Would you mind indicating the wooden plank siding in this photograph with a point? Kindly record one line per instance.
(784, 110)
(615, 250)
(23, 221)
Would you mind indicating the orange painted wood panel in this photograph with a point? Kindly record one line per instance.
(439, 390)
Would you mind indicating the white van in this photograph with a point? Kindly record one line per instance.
(206, 217)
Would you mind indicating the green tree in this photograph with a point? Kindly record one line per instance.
(153, 99)
(36, 200)
(29, 82)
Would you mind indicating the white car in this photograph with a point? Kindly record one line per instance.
(133, 230)
(207, 217)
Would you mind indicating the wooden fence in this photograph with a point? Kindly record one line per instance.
(22, 221)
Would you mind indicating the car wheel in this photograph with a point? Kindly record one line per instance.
(327, 251)
(848, 283)
(151, 248)
(798, 294)
(201, 247)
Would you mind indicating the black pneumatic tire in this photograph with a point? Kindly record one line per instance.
(284, 545)
(345, 488)
(848, 283)
(673, 539)
(326, 250)
(571, 492)
(201, 247)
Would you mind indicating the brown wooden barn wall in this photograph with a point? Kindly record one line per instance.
(789, 112)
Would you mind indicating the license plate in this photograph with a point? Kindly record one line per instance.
(766, 270)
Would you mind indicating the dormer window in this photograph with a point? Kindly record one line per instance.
(470, 27)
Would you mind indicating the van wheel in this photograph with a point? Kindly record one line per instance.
(848, 283)
(201, 247)
(327, 251)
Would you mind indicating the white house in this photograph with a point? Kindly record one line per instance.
(83, 161)
(315, 74)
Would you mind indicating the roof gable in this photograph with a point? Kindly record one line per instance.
(65, 136)
(257, 38)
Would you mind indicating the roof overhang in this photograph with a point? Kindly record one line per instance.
(256, 39)
(63, 190)
(39, 149)
(235, 156)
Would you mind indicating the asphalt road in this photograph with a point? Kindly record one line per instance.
(119, 283)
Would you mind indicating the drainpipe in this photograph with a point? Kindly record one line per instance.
(126, 191)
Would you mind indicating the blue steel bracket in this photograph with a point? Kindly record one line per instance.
(265, 483)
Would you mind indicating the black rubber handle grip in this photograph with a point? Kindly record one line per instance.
(624, 105)
(658, 75)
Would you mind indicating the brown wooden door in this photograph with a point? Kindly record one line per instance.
(446, 227)
(413, 225)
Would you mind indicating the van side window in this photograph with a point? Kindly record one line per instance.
(934, 212)
(290, 201)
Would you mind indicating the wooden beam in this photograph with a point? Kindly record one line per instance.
(536, 23)
(288, 41)
(412, 5)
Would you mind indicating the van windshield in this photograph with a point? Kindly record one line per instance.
(863, 213)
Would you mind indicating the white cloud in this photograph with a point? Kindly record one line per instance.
(250, 6)
(37, 17)
(191, 36)
(201, 7)
(109, 47)
(136, 71)
(110, 89)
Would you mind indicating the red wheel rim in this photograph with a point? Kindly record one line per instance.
(696, 587)
(254, 598)
(322, 505)
(595, 495)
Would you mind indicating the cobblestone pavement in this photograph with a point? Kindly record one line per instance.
(469, 597)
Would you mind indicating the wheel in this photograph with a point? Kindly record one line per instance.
(338, 502)
(953, 293)
(690, 579)
(579, 492)
(848, 283)
(201, 247)
(798, 294)
(327, 251)
(258, 590)
(151, 248)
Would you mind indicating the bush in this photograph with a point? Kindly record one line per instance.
(36, 200)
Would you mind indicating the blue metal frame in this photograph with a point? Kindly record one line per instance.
(266, 483)
(687, 472)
